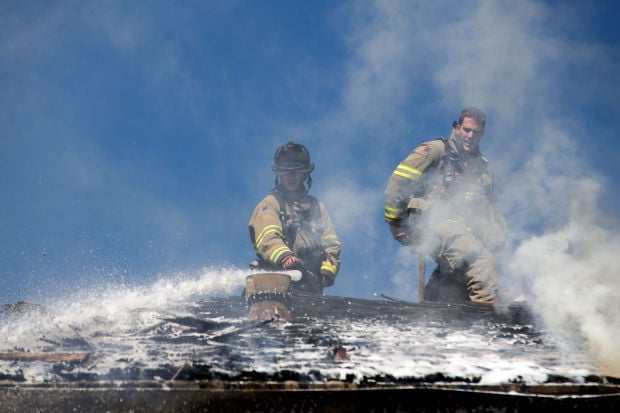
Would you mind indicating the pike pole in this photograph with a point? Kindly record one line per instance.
(421, 276)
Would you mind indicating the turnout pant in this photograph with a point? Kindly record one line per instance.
(466, 269)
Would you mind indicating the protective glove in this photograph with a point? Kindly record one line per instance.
(311, 282)
(291, 262)
(327, 278)
(399, 233)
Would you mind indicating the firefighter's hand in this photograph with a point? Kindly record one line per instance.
(399, 233)
(327, 279)
(292, 263)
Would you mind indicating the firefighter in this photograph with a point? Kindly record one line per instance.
(440, 201)
(290, 229)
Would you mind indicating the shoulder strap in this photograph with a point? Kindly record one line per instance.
(315, 208)
(282, 214)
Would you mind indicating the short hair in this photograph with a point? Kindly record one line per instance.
(472, 112)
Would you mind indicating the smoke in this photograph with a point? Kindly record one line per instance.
(512, 59)
(405, 69)
(575, 280)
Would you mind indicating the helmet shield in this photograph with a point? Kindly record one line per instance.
(292, 157)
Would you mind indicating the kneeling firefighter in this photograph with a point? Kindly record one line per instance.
(290, 229)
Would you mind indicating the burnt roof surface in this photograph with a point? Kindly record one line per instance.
(365, 342)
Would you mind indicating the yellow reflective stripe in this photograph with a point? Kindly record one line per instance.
(393, 213)
(329, 267)
(407, 172)
(269, 229)
(329, 240)
(410, 169)
(275, 256)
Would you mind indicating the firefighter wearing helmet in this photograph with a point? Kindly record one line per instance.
(290, 229)
(440, 201)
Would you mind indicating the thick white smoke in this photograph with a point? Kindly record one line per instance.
(409, 67)
(575, 280)
(505, 57)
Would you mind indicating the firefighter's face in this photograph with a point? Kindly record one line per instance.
(470, 133)
(293, 180)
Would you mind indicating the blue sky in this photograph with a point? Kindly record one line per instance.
(137, 137)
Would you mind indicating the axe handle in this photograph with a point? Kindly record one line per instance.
(421, 276)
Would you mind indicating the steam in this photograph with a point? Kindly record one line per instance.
(503, 57)
(409, 67)
(575, 279)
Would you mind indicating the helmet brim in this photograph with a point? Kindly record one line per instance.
(282, 169)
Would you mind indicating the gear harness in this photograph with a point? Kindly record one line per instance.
(453, 169)
(302, 232)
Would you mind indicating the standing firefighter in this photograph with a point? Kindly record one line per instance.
(440, 200)
(290, 229)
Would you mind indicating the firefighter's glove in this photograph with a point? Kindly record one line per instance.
(311, 282)
(400, 233)
(327, 278)
(292, 263)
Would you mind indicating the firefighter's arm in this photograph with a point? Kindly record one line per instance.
(331, 248)
(266, 233)
(405, 182)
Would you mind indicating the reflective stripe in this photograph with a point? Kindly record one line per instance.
(329, 267)
(407, 172)
(269, 229)
(329, 241)
(393, 213)
(275, 256)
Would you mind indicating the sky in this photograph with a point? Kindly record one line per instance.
(137, 137)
